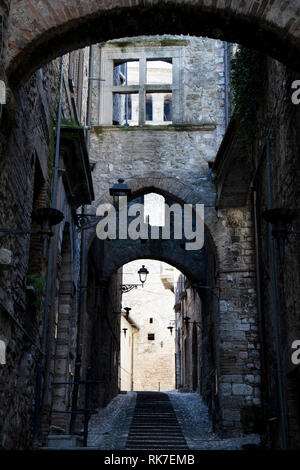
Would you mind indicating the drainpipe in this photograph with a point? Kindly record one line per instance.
(83, 251)
(227, 82)
(83, 248)
(226, 107)
(41, 364)
(275, 305)
(259, 309)
(90, 95)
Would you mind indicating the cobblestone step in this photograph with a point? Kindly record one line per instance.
(156, 447)
(154, 424)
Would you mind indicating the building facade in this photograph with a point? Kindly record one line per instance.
(149, 342)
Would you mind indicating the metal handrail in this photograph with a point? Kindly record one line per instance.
(86, 411)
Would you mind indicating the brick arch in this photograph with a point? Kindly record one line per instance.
(158, 182)
(39, 32)
(182, 193)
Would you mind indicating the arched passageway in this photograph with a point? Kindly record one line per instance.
(272, 28)
(205, 271)
(38, 33)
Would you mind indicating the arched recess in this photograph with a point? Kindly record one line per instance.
(39, 32)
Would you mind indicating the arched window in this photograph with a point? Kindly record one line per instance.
(154, 209)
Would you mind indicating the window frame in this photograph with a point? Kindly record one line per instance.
(112, 56)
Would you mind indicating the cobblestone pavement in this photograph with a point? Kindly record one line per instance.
(192, 415)
(108, 429)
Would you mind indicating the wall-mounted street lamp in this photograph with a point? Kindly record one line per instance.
(87, 221)
(127, 310)
(124, 331)
(143, 273)
(171, 326)
(119, 189)
(281, 218)
(46, 217)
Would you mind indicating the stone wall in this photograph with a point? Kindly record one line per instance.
(25, 140)
(279, 120)
(269, 172)
(27, 145)
(100, 326)
(176, 150)
(239, 355)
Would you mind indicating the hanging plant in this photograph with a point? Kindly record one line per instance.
(38, 285)
(248, 74)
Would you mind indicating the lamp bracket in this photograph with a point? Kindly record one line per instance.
(128, 287)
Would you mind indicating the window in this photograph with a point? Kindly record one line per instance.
(151, 336)
(130, 77)
(159, 108)
(141, 85)
(125, 109)
(159, 72)
(151, 320)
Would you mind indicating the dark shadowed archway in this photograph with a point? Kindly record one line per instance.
(39, 32)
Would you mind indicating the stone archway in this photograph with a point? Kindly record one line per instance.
(179, 192)
(39, 32)
(233, 280)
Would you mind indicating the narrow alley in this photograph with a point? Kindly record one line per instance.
(149, 225)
